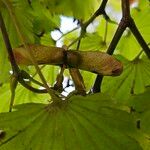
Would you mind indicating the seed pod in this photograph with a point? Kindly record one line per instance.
(95, 61)
(42, 54)
(78, 81)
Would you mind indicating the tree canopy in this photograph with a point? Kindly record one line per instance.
(85, 89)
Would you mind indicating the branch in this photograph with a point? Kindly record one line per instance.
(99, 11)
(100, 62)
(24, 75)
(139, 38)
(125, 22)
(125, 9)
(16, 71)
(29, 87)
(121, 28)
(28, 50)
(15, 68)
(97, 84)
(68, 33)
(106, 31)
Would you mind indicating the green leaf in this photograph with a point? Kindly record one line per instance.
(43, 21)
(47, 40)
(22, 95)
(133, 80)
(25, 22)
(143, 4)
(145, 122)
(50, 73)
(89, 79)
(69, 38)
(109, 30)
(4, 63)
(89, 123)
(92, 41)
(128, 46)
(141, 106)
(140, 102)
(115, 5)
(79, 9)
(141, 16)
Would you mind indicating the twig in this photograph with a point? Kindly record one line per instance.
(29, 87)
(125, 9)
(140, 53)
(42, 67)
(73, 42)
(125, 22)
(99, 11)
(96, 87)
(24, 75)
(30, 53)
(13, 86)
(77, 77)
(16, 70)
(121, 28)
(68, 32)
(78, 45)
(106, 31)
(14, 65)
(139, 38)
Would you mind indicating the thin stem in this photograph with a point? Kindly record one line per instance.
(73, 42)
(106, 30)
(78, 45)
(99, 11)
(13, 86)
(139, 38)
(29, 87)
(14, 65)
(97, 84)
(42, 67)
(106, 17)
(137, 57)
(58, 86)
(140, 53)
(125, 9)
(30, 53)
(24, 75)
(15, 68)
(121, 28)
(68, 32)
(11, 101)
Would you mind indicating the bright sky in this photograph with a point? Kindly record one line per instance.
(67, 24)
